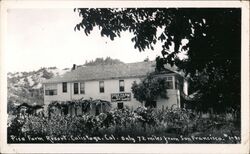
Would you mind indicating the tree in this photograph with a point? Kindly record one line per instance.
(149, 89)
(212, 48)
(101, 61)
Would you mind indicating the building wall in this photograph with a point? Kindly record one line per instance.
(173, 100)
(185, 87)
(110, 86)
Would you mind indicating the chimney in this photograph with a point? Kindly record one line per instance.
(74, 67)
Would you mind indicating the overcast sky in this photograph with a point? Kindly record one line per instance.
(45, 38)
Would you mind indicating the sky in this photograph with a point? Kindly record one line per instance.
(46, 38)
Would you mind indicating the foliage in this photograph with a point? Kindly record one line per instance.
(101, 61)
(11, 107)
(149, 89)
(84, 104)
(147, 115)
(123, 122)
(212, 48)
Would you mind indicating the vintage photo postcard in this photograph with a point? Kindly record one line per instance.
(124, 77)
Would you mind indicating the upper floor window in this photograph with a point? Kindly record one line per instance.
(82, 88)
(121, 85)
(169, 82)
(101, 86)
(76, 88)
(64, 87)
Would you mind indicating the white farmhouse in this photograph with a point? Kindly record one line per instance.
(113, 83)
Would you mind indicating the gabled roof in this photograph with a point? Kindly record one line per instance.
(102, 72)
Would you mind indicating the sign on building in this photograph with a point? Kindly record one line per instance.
(120, 97)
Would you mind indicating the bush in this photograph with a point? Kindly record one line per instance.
(123, 122)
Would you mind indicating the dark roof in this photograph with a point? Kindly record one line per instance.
(101, 72)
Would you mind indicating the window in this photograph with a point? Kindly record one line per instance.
(64, 87)
(101, 86)
(120, 105)
(121, 85)
(76, 89)
(170, 82)
(51, 92)
(82, 88)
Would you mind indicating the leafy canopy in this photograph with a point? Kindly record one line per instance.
(101, 61)
(212, 48)
(149, 89)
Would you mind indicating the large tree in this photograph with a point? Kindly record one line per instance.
(213, 44)
(149, 89)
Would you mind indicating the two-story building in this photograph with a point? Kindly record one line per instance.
(113, 83)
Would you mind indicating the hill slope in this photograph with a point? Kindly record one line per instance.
(26, 87)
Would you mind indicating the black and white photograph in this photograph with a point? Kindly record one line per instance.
(125, 75)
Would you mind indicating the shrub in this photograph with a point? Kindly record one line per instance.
(123, 122)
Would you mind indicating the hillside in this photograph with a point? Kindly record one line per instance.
(26, 87)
